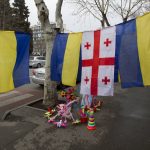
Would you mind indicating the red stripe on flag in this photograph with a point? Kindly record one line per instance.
(102, 61)
(97, 61)
(107, 61)
(87, 63)
(94, 80)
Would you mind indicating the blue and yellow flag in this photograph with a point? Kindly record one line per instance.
(14, 60)
(133, 52)
(65, 60)
(143, 40)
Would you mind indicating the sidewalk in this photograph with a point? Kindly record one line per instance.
(122, 124)
(17, 98)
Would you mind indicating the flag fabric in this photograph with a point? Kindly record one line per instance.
(14, 60)
(7, 60)
(57, 57)
(98, 59)
(71, 59)
(133, 46)
(21, 70)
(143, 39)
(65, 58)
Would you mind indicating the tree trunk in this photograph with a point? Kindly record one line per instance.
(106, 20)
(125, 19)
(50, 93)
(58, 16)
(102, 23)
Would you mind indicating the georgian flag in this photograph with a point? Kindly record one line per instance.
(98, 58)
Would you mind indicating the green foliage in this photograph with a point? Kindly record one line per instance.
(5, 15)
(20, 16)
(15, 17)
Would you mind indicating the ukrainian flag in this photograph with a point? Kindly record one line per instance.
(133, 52)
(65, 58)
(14, 60)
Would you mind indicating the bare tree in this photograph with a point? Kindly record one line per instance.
(97, 8)
(50, 93)
(127, 8)
(101, 9)
(147, 5)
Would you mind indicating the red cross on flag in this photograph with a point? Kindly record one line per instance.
(98, 62)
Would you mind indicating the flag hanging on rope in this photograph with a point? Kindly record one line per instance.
(71, 59)
(65, 58)
(133, 47)
(14, 60)
(125, 45)
(98, 59)
(143, 40)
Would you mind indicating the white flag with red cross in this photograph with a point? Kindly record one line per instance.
(98, 59)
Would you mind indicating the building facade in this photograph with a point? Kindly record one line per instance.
(39, 45)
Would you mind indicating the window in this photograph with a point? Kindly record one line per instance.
(31, 58)
(41, 58)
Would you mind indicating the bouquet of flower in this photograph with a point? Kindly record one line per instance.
(69, 94)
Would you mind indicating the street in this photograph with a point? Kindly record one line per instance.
(32, 85)
(121, 124)
(19, 97)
